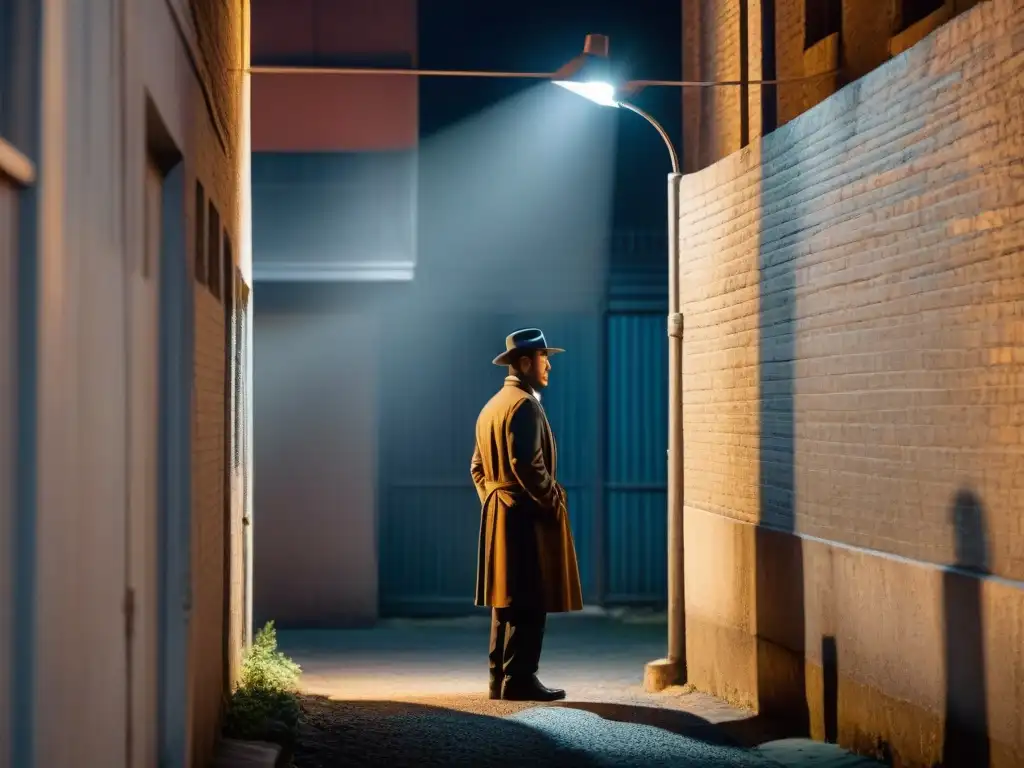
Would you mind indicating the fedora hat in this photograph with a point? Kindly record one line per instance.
(524, 341)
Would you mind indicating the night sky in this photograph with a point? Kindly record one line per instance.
(541, 36)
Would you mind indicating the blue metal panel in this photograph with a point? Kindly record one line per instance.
(638, 272)
(436, 375)
(636, 459)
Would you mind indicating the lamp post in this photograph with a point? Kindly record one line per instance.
(588, 75)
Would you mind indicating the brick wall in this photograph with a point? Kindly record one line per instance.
(711, 46)
(789, 57)
(208, 546)
(853, 287)
(217, 167)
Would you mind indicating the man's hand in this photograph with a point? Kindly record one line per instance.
(562, 499)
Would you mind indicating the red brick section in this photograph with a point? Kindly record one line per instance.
(330, 112)
(329, 28)
(334, 113)
(886, 225)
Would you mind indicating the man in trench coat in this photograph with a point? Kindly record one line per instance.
(526, 565)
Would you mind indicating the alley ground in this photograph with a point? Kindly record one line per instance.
(412, 693)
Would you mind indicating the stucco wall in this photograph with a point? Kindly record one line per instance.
(853, 288)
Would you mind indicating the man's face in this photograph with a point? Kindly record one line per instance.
(536, 369)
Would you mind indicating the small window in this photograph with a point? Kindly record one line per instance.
(821, 19)
(200, 244)
(912, 11)
(213, 254)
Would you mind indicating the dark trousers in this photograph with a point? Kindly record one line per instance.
(517, 635)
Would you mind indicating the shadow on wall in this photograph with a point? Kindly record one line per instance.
(830, 688)
(779, 597)
(965, 738)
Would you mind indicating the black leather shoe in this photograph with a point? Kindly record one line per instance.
(529, 689)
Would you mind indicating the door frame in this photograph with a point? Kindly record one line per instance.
(174, 478)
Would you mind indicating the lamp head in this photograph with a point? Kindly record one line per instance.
(589, 74)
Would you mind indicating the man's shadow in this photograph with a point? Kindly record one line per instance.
(965, 739)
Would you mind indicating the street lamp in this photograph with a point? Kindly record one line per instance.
(589, 75)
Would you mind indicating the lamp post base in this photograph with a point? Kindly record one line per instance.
(662, 673)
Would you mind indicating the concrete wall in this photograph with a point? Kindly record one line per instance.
(316, 463)
(113, 118)
(334, 176)
(335, 163)
(853, 287)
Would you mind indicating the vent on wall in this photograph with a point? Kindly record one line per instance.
(213, 252)
(821, 19)
(200, 230)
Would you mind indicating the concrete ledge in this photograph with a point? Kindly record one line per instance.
(333, 272)
(232, 753)
(892, 658)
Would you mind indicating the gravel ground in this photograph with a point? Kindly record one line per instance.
(413, 693)
(399, 734)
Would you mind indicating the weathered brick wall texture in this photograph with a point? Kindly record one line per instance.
(789, 57)
(208, 546)
(711, 52)
(216, 165)
(853, 288)
(711, 46)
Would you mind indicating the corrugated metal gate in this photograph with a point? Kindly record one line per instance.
(637, 439)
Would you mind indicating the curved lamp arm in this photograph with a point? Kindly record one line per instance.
(661, 131)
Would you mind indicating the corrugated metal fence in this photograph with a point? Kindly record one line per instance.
(606, 404)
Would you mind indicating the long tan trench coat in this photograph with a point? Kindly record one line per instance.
(526, 557)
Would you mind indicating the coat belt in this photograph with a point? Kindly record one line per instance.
(490, 487)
